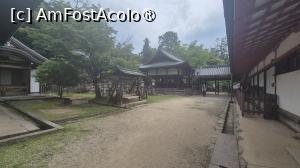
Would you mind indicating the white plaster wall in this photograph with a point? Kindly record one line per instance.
(172, 71)
(288, 43)
(162, 71)
(288, 91)
(270, 80)
(261, 79)
(255, 80)
(34, 85)
(269, 58)
(152, 72)
(260, 65)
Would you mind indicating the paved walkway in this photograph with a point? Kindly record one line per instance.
(268, 143)
(171, 134)
(12, 123)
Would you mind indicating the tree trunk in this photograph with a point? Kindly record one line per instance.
(60, 92)
(97, 89)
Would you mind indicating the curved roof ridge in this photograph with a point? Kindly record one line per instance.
(171, 56)
(18, 44)
(130, 72)
(19, 51)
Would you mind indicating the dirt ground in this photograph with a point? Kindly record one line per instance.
(169, 134)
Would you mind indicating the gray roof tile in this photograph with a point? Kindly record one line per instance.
(215, 70)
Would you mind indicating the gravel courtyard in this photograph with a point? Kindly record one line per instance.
(170, 134)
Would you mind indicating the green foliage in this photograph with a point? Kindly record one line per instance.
(122, 56)
(147, 52)
(221, 49)
(45, 109)
(169, 41)
(57, 72)
(193, 53)
(197, 55)
(51, 39)
(95, 42)
(90, 47)
(37, 151)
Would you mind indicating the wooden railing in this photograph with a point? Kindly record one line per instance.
(13, 90)
(250, 103)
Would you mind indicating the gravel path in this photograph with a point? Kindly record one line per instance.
(170, 134)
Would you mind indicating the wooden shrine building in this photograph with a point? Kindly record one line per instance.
(17, 69)
(215, 73)
(165, 72)
(264, 48)
(17, 61)
(129, 89)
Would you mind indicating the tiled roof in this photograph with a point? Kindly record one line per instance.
(213, 71)
(172, 61)
(19, 45)
(130, 72)
(14, 46)
(171, 56)
(160, 64)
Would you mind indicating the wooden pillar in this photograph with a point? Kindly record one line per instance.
(178, 78)
(218, 87)
(231, 93)
(27, 73)
(265, 90)
(248, 92)
(146, 84)
(121, 90)
(256, 89)
(215, 86)
(265, 82)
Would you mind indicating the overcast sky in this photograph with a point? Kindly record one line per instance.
(200, 20)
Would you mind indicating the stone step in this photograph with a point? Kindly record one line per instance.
(225, 152)
(130, 99)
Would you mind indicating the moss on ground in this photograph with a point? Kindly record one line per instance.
(36, 151)
(54, 109)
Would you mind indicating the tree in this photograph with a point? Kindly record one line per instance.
(90, 47)
(221, 49)
(147, 52)
(51, 39)
(169, 41)
(122, 55)
(197, 55)
(58, 72)
(95, 42)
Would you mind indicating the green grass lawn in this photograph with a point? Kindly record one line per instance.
(54, 109)
(36, 151)
(159, 98)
